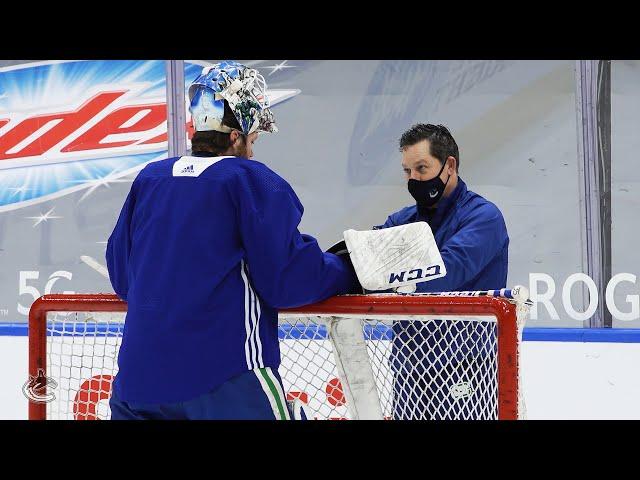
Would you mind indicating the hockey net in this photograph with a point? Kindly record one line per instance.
(356, 356)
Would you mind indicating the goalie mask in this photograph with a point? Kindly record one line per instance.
(242, 87)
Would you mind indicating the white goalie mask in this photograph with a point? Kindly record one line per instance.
(242, 87)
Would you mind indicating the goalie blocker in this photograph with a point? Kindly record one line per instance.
(393, 258)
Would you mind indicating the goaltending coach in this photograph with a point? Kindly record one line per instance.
(472, 238)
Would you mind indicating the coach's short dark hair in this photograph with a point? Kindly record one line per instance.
(441, 142)
(212, 141)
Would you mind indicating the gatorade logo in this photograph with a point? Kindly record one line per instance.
(97, 389)
(90, 393)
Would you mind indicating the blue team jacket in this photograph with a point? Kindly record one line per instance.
(205, 250)
(472, 237)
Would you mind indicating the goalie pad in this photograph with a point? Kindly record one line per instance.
(395, 257)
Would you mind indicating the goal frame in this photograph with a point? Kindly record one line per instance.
(504, 311)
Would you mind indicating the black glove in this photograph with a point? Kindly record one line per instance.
(340, 249)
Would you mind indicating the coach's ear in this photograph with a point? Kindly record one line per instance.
(340, 249)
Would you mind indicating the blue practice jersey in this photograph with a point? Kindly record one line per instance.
(472, 237)
(205, 251)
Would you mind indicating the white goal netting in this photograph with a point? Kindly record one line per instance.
(391, 366)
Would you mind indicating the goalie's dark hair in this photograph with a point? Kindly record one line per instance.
(441, 142)
(216, 142)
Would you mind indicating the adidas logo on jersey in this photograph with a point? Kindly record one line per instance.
(187, 169)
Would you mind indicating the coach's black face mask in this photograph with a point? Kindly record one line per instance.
(428, 192)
